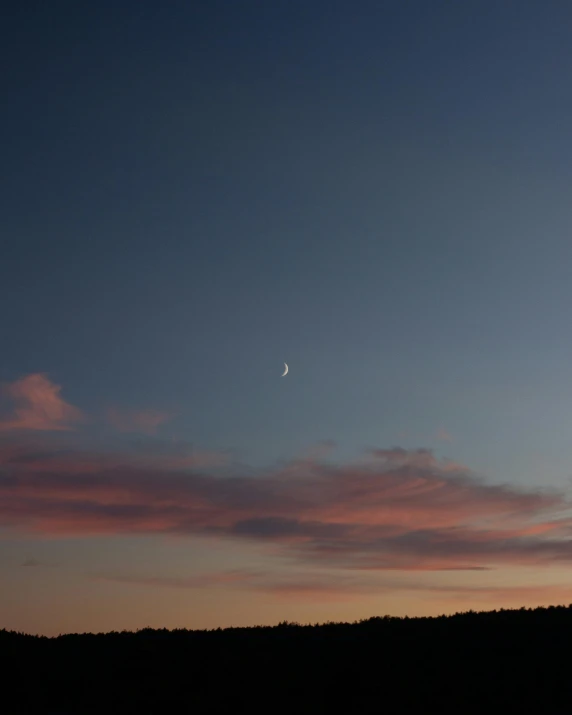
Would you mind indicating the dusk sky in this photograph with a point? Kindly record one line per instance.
(377, 193)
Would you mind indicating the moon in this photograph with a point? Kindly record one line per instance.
(285, 370)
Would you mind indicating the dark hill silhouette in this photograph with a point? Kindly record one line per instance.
(507, 661)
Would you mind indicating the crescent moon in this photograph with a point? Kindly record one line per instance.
(285, 370)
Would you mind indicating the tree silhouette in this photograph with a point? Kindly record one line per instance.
(505, 661)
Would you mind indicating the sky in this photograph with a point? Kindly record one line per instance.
(195, 193)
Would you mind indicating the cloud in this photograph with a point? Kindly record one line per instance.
(38, 406)
(145, 421)
(444, 436)
(324, 586)
(550, 593)
(395, 510)
(31, 562)
(199, 581)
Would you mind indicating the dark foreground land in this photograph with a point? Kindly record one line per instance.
(502, 661)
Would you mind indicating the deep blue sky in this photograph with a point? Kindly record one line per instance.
(377, 193)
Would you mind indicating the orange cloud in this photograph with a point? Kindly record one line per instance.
(39, 406)
(145, 421)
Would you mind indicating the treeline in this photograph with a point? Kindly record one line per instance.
(507, 661)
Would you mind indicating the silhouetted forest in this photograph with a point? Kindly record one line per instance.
(508, 661)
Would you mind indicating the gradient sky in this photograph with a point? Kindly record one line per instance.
(193, 193)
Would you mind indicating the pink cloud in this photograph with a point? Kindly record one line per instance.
(397, 510)
(38, 406)
(145, 421)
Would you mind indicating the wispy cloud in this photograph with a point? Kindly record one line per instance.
(444, 436)
(396, 509)
(144, 421)
(31, 562)
(222, 578)
(323, 586)
(38, 406)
